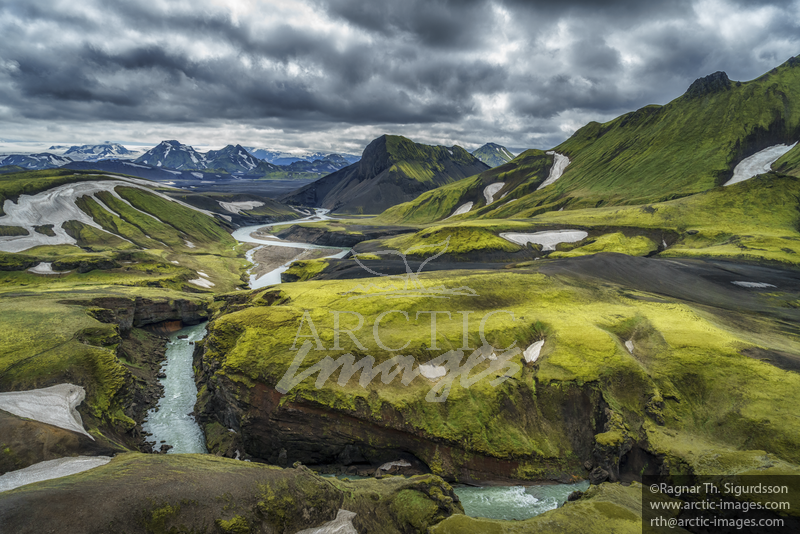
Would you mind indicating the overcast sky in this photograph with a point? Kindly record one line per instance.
(334, 74)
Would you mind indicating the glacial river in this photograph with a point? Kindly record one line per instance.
(171, 422)
(274, 277)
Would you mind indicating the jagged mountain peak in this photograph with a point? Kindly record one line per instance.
(713, 83)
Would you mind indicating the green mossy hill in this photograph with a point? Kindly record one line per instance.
(654, 154)
(521, 176)
(453, 240)
(753, 220)
(392, 170)
(687, 375)
(602, 509)
(270, 211)
(202, 493)
(687, 146)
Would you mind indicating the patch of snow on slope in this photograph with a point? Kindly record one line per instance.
(531, 354)
(45, 268)
(343, 524)
(754, 285)
(50, 469)
(548, 239)
(463, 208)
(491, 190)
(759, 163)
(202, 282)
(432, 372)
(54, 406)
(560, 163)
(237, 207)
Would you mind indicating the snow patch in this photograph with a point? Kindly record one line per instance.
(237, 207)
(560, 163)
(532, 352)
(463, 208)
(754, 285)
(45, 268)
(343, 524)
(202, 282)
(629, 345)
(50, 469)
(54, 406)
(189, 243)
(197, 174)
(491, 190)
(432, 372)
(759, 163)
(548, 239)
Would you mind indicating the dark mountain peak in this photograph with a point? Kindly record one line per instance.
(171, 142)
(713, 83)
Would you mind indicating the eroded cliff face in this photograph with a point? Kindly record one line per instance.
(139, 312)
(258, 420)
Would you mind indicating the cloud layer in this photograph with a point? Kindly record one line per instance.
(336, 73)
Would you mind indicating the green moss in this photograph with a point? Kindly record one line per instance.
(12, 230)
(306, 269)
(616, 242)
(236, 525)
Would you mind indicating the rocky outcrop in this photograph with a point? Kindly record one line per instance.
(713, 83)
(190, 493)
(138, 312)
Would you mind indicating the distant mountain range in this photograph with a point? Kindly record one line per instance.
(277, 157)
(172, 155)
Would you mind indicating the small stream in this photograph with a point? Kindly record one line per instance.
(170, 422)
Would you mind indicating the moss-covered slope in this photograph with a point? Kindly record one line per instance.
(588, 397)
(192, 493)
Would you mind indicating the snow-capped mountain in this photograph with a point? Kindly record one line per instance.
(493, 154)
(173, 155)
(36, 162)
(237, 160)
(98, 152)
(233, 159)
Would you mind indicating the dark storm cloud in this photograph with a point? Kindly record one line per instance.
(514, 71)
